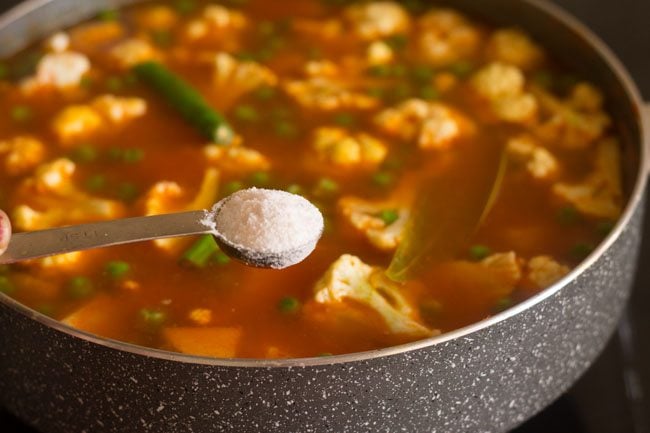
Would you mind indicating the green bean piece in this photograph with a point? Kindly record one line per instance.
(132, 155)
(388, 216)
(21, 113)
(117, 269)
(152, 317)
(479, 252)
(95, 183)
(6, 286)
(187, 101)
(260, 178)
(199, 254)
(221, 258)
(80, 287)
(288, 305)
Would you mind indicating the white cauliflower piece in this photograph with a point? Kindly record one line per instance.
(446, 37)
(130, 52)
(506, 267)
(600, 194)
(339, 147)
(167, 197)
(433, 125)
(78, 122)
(503, 87)
(119, 110)
(68, 261)
(379, 53)
(575, 123)
(328, 95)
(376, 20)
(21, 154)
(216, 22)
(61, 70)
(540, 163)
(236, 159)
(54, 200)
(350, 278)
(382, 223)
(58, 42)
(514, 47)
(543, 271)
(233, 78)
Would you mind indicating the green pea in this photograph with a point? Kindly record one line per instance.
(462, 69)
(246, 113)
(86, 82)
(326, 186)
(6, 286)
(345, 120)
(503, 304)
(260, 178)
(84, 154)
(544, 79)
(286, 129)
(21, 113)
(127, 191)
(479, 252)
(423, 73)
(95, 183)
(383, 179)
(294, 188)
(429, 93)
(376, 92)
(162, 38)
(114, 84)
(388, 216)
(288, 305)
(152, 317)
(581, 251)
(133, 155)
(117, 269)
(380, 71)
(233, 186)
(80, 287)
(265, 93)
(115, 153)
(567, 215)
(604, 228)
(397, 42)
(185, 7)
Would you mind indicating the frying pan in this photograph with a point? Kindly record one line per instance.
(489, 376)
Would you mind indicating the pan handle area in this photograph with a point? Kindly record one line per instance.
(646, 118)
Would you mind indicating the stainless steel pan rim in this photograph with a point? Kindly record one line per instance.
(466, 332)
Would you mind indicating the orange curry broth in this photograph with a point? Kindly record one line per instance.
(524, 218)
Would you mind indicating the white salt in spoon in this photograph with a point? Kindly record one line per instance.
(260, 227)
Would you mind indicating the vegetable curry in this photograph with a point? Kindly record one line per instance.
(459, 168)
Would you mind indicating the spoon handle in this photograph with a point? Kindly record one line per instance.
(32, 245)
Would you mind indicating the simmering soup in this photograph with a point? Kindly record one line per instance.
(459, 168)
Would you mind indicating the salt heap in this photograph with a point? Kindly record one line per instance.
(267, 228)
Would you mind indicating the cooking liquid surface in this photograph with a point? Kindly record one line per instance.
(160, 291)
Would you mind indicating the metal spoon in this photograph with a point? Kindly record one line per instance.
(43, 243)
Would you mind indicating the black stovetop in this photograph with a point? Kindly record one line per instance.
(614, 395)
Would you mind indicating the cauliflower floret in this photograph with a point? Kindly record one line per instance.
(434, 125)
(166, 197)
(539, 162)
(68, 261)
(382, 223)
(328, 95)
(379, 53)
(61, 70)
(201, 316)
(89, 37)
(119, 110)
(600, 194)
(236, 159)
(514, 47)
(130, 52)
(216, 22)
(21, 154)
(233, 78)
(543, 271)
(446, 37)
(80, 121)
(575, 123)
(377, 20)
(157, 18)
(350, 278)
(58, 42)
(503, 86)
(339, 147)
(507, 268)
(55, 200)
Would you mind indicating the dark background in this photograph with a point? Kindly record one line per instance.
(614, 395)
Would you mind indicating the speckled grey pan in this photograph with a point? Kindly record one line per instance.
(484, 378)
